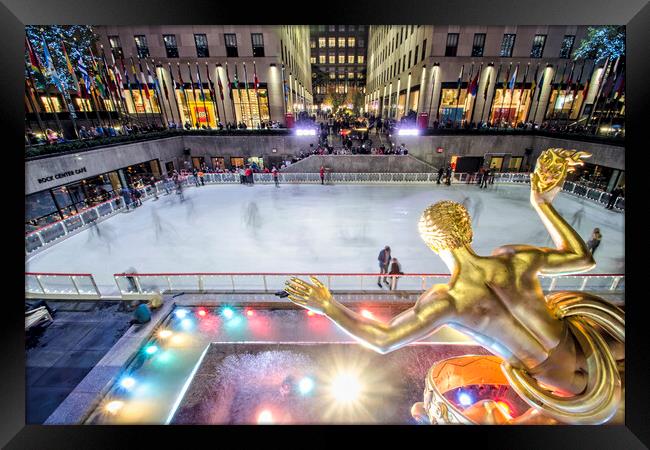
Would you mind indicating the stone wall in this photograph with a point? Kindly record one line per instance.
(360, 164)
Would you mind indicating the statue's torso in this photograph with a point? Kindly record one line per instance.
(499, 302)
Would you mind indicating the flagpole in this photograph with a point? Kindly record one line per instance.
(148, 93)
(212, 96)
(248, 98)
(601, 83)
(49, 100)
(494, 94)
(28, 94)
(119, 86)
(521, 93)
(187, 102)
(608, 100)
(98, 73)
(241, 107)
(460, 80)
(485, 91)
(144, 106)
(257, 94)
(161, 98)
(586, 90)
(38, 67)
(532, 94)
(156, 94)
(573, 99)
(469, 81)
(205, 107)
(109, 82)
(614, 109)
(180, 120)
(554, 113)
(74, 77)
(512, 92)
(32, 91)
(189, 70)
(570, 80)
(63, 95)
(128, 86)
(478, 80)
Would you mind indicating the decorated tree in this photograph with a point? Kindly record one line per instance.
(602, 43)
(78, 40)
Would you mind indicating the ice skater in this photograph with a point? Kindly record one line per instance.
(275, 177)
(154, 189)
(576, 220)
(448, 176)
(395, 270)
(125, 192)
(384, 261)
(594, 241)
(476, 212)
(441, 173)
(616, 193)
(157, 226)
(322, 175)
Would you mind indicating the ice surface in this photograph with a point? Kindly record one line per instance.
(312, 228)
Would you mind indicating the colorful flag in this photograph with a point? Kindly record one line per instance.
(180, 79)
(487, 86)
(473, 86)
(34, 61)
(164, 87)
(50, 70)
(505, 80)
(210, 83)
(619, 87)
(513, 79)
(236, 80)
(460, 76)
(70, 69)
(198, 76)
(147, 93)
(533, 83)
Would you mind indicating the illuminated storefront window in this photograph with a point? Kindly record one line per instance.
(511, 106)
(50, 102)
(137, 103)
(321, 42)
(562, 103)
(247, 107)
(194, 110)
(331, 42)
(83, 104)
(452, 105)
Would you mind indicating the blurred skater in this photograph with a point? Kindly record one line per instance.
(441, 173)
(594, 241)
(275, 176)
(395, 269)
(384, 261)
(576, 220)
(154, 189)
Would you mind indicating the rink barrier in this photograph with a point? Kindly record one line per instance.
(53, 233)
(72, 286)
(142, 284)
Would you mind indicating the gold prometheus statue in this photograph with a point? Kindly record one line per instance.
(559, 351)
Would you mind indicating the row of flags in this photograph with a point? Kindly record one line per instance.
(106, 80)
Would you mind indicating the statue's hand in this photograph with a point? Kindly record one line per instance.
(315, 297)
(551, 171)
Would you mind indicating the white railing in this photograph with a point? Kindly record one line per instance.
(52, 233)
(149, 283)
(61, 286)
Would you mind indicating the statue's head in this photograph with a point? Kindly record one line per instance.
(445, 225)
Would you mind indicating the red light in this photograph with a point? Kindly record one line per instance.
(202, 312)
(250, 313)
(310, 313)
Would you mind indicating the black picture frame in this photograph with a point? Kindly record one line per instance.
(14, 14)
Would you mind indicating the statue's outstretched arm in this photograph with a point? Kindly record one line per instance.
(571, 255)
(425, 317)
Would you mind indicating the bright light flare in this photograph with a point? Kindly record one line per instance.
(164, 334)
(250, 313)
(202, 312)
(228, 313)
(367, 314)
(311, 313)
(127, 382)
(180, 313)
(306, 385)
(465, 399)
(408, 132)
(114, 406)
(186, 323)
(505, 407)
(305, 132)
(345, 388)
(265, 417)
(151, 349)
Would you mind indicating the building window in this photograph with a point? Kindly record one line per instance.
(538, 46)
(201, 42)
(350, 59)
(507, 44)
(321, 59)
(360, 59)
(332, 28)
(332, 75)
(312, 60)
(312, 43)
(331, 42)
(361, 42)
(341, 42)
(351, 42)
(350, 75)
(116, 47)
(257, 39)
(341, 59)
(567, 46)
(452, 44)
(170, 45)
(415, 60)
(141, 45)
(332, 59)
(362, 27)
(403, 63)
(341, 27)
(230, 40)
(410, 54)
(321, 28)
(424, 48)
(479, 44)
(321, 42)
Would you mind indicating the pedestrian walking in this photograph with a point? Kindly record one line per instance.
(616, 193)
(395, 270)
(441, 172)
(276, 179)
(594, 240)
(200, 174)
(384, 261)
(322, 175)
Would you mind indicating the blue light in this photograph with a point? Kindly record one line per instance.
(464, 399)
(228, 313)
(306, 385)
(181, 313)
(186, 323)
(127, 382)
(151, 349)
(235, 321)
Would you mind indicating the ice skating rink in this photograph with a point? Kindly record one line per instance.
(312, 228)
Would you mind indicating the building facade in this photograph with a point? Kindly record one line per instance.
(209, 74)
(338, 59)
(476, 74)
